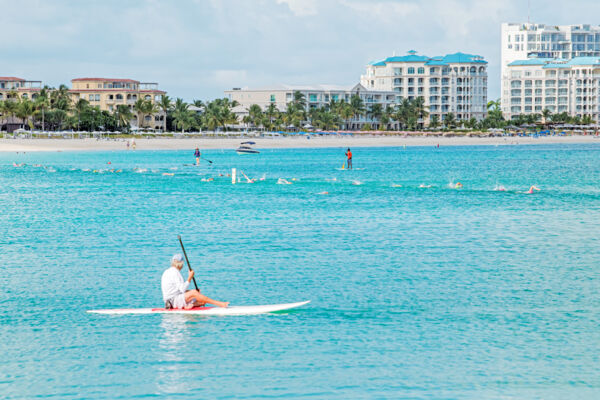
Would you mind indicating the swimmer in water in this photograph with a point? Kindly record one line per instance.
(423, 186)
(323, 193)
(396, 185)
(282, 181)
(532, 188)
(500, 188)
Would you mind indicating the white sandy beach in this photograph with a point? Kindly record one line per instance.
(19, 145)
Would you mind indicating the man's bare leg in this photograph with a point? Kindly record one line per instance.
(202, 299)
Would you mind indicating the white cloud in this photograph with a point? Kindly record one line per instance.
(383, 11)
(301, 8)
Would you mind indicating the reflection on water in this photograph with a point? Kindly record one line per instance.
(171, 377)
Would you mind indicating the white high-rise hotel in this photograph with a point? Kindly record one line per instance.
(454, 83)
(548, 66)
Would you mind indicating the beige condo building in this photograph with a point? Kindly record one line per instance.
(12, 86)
(108, 93)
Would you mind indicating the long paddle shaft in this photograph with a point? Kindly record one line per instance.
(186, 259)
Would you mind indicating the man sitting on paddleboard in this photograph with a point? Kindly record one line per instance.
(174, 288)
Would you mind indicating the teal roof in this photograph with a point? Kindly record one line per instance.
(463, 58)
(408, 58)
(585, 61)
(534, 61)
(555, 65)
(436, 61)
(442, 60)
(557, 62)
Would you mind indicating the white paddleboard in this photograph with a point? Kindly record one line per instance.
(233, 310)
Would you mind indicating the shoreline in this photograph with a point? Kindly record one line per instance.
(45, 145)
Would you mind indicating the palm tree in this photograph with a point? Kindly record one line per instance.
(345, 112)
(546, 115)
(181, 115)
(434, 122)
(450, 120)
(357, 105)
(25, 109)
(42, 103)
(403, 112)
(254, 115)
(271, 114)
(60, 98)
(419, 108)
(299, 100)
(80, 107)
(587, 120)
(144, 108)
(375, 111)
(9, 108)
(165, 104)
(123, 115)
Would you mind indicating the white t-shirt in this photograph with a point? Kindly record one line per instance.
(172, 283)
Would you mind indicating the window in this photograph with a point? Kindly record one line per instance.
(397, 71)
(312, 98)
(421, 70)
(411, 70)
(272, 98)
(97, 97)
(91, 97)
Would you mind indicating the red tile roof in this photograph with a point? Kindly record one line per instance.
(104, 80)
(10, 78)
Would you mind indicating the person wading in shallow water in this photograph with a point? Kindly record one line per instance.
(349, 155)
(174, 288)
(197, 155)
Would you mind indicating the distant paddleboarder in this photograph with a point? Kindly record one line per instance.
(174, 288)
(349, 156)
(197, 155)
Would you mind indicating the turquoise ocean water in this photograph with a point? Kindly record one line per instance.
(418, 293)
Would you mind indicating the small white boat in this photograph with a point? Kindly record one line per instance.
(246, 149)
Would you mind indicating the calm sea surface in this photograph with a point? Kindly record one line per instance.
(419, 293)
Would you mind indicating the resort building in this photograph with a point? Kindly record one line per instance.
(559, 85)
(521, 41)
(11, 86)
(315, 96)
(454, 83)
(109, 93)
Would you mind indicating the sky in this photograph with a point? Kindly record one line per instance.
(197, 49)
